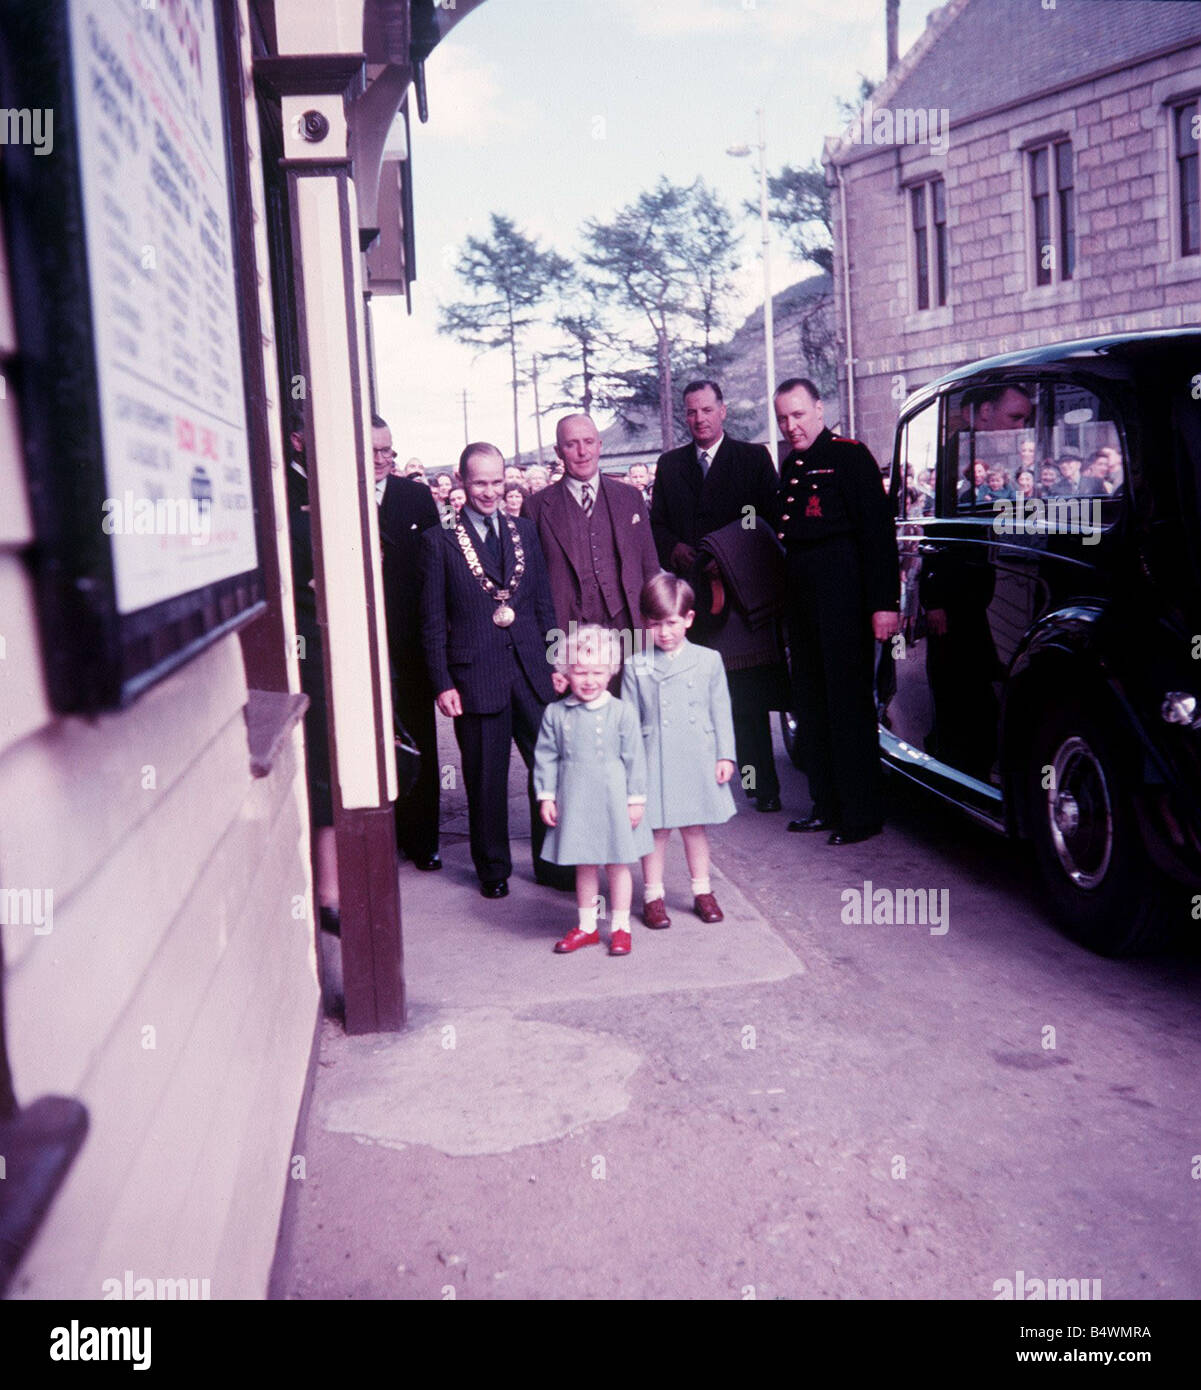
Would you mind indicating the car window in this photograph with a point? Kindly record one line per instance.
(917, 460)
(991, 444)
(1084, 472)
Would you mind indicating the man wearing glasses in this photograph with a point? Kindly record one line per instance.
(407, 510)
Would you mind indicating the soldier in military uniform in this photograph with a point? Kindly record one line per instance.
(843, 589)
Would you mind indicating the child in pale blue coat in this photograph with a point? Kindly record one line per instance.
(590, 781)
(683, 705)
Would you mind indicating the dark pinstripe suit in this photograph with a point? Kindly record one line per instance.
(502, 676)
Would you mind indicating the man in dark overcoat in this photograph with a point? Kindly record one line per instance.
(699, 488)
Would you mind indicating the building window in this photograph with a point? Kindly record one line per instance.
(1053, 206)
(1186, 130)
(928, 205)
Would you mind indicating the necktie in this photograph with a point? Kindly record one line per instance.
(492, 540)
(586, 498)
(704, 463)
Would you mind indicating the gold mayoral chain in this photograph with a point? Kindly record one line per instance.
(504, 616)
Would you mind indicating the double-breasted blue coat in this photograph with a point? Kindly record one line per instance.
(589, 758)
(683, 704)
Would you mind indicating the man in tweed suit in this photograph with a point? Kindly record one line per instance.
(486, 614)
(595, 535)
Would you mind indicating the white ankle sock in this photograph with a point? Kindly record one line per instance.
(588, 920)
(651, 892)
(701, 885)
(621, 919)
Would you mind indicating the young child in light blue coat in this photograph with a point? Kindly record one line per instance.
(683, 705)
(590, 781)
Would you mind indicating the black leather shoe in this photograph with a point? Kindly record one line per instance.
(428, 865)
(854, 837)
(767, 803)
(494, 888)
(810, 823)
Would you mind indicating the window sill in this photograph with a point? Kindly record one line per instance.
(1179, 270)
(270, 717)
(921, 320)
(1049, 296)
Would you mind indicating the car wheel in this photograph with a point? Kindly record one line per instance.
(792, 744)
(1085, 836)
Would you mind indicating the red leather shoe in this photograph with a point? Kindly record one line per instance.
(620, 944)
(654, 913)
(574, 939)
(706, 908)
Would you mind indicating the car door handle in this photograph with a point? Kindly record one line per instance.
(927, 548)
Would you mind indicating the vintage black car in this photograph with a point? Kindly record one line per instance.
(1047, 679)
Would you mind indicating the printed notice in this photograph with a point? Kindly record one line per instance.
(164, 301)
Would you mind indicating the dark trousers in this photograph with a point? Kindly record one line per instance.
(750, 697)
(485, 741)
(831, 654)
(417, 814)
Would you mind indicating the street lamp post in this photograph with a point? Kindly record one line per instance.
(769, 335)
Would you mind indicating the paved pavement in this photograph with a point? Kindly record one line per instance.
(783, 1105)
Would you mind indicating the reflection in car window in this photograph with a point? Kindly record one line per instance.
(992, 445)
(1086, 448)
(1041, 459)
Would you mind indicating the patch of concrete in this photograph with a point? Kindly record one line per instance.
(465, 951)
(482, 1083)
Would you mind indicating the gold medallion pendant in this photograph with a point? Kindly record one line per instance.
(504, 616)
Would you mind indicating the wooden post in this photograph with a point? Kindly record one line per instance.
(314, 91)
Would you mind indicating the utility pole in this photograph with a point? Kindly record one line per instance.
(537, 410)
(466, 432)
(769, 332)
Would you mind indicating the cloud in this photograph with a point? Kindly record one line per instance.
(470, 103)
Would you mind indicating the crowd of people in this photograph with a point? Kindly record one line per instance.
(521, 481)
(628, 634)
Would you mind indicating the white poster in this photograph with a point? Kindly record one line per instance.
(161, 271)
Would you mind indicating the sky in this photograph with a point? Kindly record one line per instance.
(554, 111)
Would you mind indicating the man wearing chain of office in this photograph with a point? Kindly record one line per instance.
(486, 613)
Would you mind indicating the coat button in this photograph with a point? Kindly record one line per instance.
(780, 534)
(791, 499)
(784, 518)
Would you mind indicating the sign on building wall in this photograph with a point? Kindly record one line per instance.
(124, 247)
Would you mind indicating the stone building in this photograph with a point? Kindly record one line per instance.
(1025, 173)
